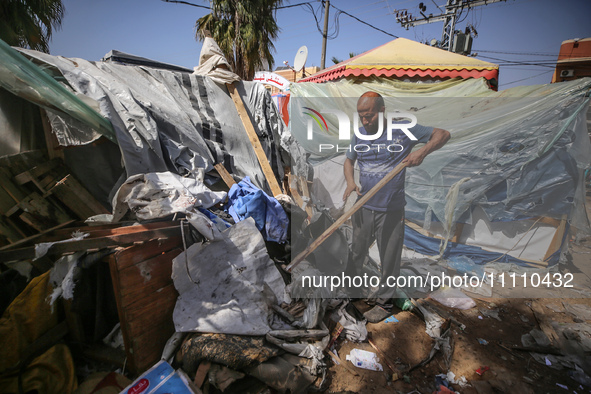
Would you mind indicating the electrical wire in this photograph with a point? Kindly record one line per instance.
(186, 3)
(365, 23)
(523, 79)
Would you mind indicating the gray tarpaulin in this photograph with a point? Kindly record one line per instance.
(227, 286)
(172, 121)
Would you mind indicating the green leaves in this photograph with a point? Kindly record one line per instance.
(244, 31)
(30, 23)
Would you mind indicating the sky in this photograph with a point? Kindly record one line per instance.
(510, 33)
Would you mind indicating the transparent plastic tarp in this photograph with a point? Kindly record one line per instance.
(513, 168)
(24, 79)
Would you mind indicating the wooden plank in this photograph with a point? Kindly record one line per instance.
(138, 253)
(33, 237)
(254, 141)
(10, 188)
(120, 310)
(44, 214)
(226, 177)
(34, 173)
(557, 239)
(150, 311)
(293, 188)
(304, 188)
(108, 230)
(458, 232)
(339, 222)
(9, 231)
(201, 373)
(23, 161)
(28, 253)
(70, 192)
(147, 347)
(143, 279)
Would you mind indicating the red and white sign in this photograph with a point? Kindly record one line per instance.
(269, 78)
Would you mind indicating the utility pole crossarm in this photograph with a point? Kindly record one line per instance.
(452, 8)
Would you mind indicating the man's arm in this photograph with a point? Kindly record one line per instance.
(439, 137)
(350, 178)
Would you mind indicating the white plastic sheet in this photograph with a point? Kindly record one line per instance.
(227, 286)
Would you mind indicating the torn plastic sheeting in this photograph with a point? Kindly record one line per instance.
(24, 79)
(174, 121)
(246, 200)
(227, 286)
(157, 195)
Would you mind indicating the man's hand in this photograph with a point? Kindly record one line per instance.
(439, 137)
(349, 189)
(414, 159)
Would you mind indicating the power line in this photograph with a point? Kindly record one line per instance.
(365, 23)
(523, 79)
(524, 63)
(186, 3)
(516, 53)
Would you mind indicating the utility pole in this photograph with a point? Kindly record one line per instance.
(324, 34)
(448, 16)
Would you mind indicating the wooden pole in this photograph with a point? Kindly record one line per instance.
(328, 232)
(254, 141)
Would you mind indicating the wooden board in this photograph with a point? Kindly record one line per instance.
(254, 141)
(145, 296)
(73, 195)
(93, 243)
(226, 177)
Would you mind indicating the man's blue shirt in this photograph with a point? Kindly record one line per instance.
(376, 161)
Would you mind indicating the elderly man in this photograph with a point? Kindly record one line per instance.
(382, 217)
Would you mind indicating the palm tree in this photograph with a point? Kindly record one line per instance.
(29, 23)
(244, 31)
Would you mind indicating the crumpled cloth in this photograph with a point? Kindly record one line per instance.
(246, 200)
(210, 60)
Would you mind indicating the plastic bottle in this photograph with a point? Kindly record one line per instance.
(364, 359)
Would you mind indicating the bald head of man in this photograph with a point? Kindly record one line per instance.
(369, 107)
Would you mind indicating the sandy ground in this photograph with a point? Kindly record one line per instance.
(493, 328)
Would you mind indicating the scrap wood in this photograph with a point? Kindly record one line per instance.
(35, 236)
(28, 253)
(201, 373)
(254, 140)
(226, 177)
(339, 222)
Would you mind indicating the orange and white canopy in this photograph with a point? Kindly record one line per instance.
(402, 58)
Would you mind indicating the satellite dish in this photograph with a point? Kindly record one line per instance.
(300, 58)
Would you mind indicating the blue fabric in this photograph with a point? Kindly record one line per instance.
(430, 246)
(378, 161)
(246, 200)
(213, 217)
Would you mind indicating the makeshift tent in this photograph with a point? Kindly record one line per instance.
(505, 188)
(162, 120)
(404, 59)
